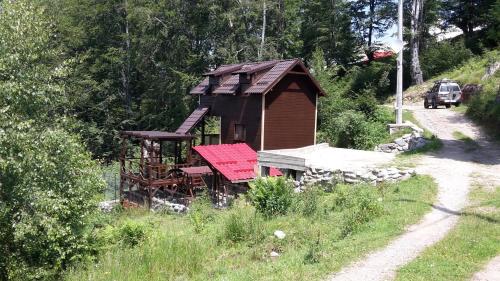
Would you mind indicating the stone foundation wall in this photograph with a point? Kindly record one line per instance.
(372, 176)
(407, 142)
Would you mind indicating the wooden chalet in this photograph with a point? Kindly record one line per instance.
(262, 106)
(268, 105)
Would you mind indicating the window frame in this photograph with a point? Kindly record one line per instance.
(240, 129)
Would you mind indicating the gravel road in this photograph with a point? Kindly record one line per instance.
(452, 168)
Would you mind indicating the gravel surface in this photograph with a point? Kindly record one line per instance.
(491, 271)
(451, 167)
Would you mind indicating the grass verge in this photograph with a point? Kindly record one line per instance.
(235, 244)
(470, 245)
(470, 144)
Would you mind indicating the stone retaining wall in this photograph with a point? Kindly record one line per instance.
(368, 175)
(407, 142)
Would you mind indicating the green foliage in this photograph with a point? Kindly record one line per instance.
(306, 203)
(442, 56)
(31, 70)
(131, 233)
(467, 248)
(361, 204)
(349, 115)
(314, 252)
(271, 196)
(49, 198)
(485, 108)
(309, 251)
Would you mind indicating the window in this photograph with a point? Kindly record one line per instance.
(239, 132)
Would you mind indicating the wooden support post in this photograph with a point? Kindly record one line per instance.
(190, 147)
(203, 131)
(141, 165)
(161, 152)
(175, 152)
(123, 155)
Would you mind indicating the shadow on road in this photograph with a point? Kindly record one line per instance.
(452, 212)
(460, 151)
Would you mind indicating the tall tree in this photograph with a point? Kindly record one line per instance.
(415, 31)
(465, 14)
(372, 17)
(327, 25)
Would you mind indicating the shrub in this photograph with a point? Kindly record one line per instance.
(442, 56)
(49, 193)
(131, 233)
(306, 203)
(353, 130)
(484, 109)
(271, 196)
(241, 225)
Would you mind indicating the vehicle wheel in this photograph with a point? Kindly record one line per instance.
(447, 105)
(434, 104)
(426, 103)
(457, 104)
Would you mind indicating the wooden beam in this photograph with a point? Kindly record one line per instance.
(296, 73)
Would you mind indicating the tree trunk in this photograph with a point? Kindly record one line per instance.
(126, 65)
(263, 36)
(415, 36)
(370, 24)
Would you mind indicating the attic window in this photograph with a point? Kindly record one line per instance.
(239, 132)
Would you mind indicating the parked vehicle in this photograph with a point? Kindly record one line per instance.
(444, 92)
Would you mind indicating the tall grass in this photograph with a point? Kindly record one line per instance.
(235, 244)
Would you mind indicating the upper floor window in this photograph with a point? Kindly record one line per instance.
(239, 132)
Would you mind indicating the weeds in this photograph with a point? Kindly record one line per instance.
(271, 196)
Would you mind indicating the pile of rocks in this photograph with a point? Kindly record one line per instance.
(161, 206)
(366, 175)
(405, 143)
(107, 206)
(158, 206)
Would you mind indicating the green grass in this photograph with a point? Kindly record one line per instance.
(469, 72)
(433, 143)
(465, 250)
(460, 109)
(468, 141)
(234, 244)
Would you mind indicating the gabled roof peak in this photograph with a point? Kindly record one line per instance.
(272, 72)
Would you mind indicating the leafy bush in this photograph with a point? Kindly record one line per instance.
(484, 109)
(49, 193)
(353, 130)
(442, 56)
(271, 196)
(132, 233)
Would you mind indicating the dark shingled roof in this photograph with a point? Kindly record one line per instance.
(269, 73)
(192, 120)
(156, 135)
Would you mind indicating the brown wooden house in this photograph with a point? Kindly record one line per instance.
(268, 105)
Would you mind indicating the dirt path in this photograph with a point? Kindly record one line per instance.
(491, 271)
(451, 167)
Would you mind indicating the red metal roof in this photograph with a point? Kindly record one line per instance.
(269, 72)
(236, 162)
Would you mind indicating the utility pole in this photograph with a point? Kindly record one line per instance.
(399, 87)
